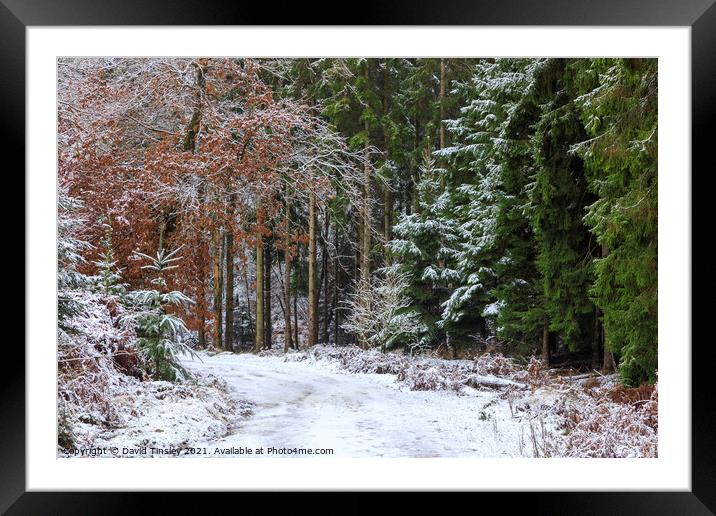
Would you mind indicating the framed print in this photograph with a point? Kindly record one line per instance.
(440, 249)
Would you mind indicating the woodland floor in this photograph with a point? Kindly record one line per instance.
(359, 403)
(314, 404)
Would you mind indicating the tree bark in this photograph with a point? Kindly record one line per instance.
(414, 201)
(365, 253)
(387, 220)
(595, 340)
(190, 139)
(218, 280)
(229, 331)
(359, 248)
(260, 330)
(248, 297)
(387, 195)
(287, 341)
(364, 284)
(325, 279)
(201, 307)
(609, 364)
(268, 323)
(162, 232)
(335, 289)
(545, 345)
(312, 290)
(201, 344)
(295, 318)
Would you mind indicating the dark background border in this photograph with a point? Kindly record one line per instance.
(15, 15)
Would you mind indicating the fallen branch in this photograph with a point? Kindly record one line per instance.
(492, 382)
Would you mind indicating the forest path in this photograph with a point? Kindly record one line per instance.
(314, 405)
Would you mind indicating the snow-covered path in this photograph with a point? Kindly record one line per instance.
(313, 405)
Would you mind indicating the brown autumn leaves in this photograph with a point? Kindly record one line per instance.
(199, 154)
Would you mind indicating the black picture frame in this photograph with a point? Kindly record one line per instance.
(700, 15)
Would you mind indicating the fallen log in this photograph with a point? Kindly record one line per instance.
(492, 382)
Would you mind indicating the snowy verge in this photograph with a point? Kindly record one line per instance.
(425, 373)
(152, 417)
(590, 416)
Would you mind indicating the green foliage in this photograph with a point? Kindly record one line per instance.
(542, 208)
(557, 200)
(158, 332)
(110, 276)
(417, 246)
(619, 109)
(70, 248)
(474, 185)
(65, 430)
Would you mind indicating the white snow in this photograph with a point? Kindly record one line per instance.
(159, 415)
(320, 398)
(312, 404)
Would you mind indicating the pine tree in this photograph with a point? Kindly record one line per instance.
(520, 304)
(109, 279)
(158, 330)
(619, 110)
(417, 247)
(557, 200)
(472, 180)
(70, 249)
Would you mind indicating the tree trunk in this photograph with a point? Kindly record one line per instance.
(367, 224)
(414, 201)
(218, 280)
(595, 340)
(325, 279)
(247, 289)
(287, 341)
(201, 307)
(260, 330)
(201, 344)
(312, 290)
(387, 220)
(190, 138)
(545, 345)
(609, 364)
(335, 290)
(365, 253)
(321, 278)
(268, 323)
(359, 248)
(229, 331)
(387, 196)
(295, 317)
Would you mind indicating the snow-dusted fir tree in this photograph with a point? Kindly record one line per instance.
(488, 167)
(109, 278)
(475, 192)
(422, 249)
(90, 329)
(69, 256)
(160, 332)
(518, 309)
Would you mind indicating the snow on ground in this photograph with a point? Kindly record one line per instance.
(359, 403)
(160, 415)
(314, 404)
